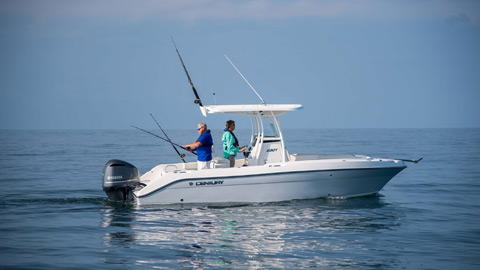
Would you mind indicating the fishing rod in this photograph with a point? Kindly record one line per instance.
(186, 149)
(170, 141)
(197, 100)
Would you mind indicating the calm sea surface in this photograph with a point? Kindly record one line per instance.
(54, 214)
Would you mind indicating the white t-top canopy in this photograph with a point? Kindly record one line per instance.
(276, 109)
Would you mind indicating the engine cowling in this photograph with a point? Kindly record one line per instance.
(120, 178)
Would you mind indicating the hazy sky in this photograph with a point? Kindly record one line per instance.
(351, 63)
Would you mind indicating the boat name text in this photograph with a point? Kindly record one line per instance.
(207, 183)
(272, 150)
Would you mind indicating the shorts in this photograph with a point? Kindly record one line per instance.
(202, 165)
(232, 160)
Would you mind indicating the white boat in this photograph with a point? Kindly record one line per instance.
(268, 173)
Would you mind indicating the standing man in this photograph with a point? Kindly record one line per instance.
(203, 145)
(230, 143)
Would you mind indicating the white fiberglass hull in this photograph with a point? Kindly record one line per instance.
(272, 182)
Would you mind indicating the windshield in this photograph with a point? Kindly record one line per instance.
(269, 128)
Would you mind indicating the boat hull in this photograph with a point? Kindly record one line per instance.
(275, 186)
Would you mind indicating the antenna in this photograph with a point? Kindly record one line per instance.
(263, 101)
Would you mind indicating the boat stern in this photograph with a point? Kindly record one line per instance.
(120, 178)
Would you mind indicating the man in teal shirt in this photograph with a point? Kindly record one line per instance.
(230, 143)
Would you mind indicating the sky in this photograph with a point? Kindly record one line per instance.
(99, 64)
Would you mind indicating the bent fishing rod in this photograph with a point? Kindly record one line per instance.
(170, 141)
(197, 100)
(186, 149)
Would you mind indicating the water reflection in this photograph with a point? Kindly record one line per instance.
(307, 233)
(118, 220)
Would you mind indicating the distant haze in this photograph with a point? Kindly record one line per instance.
(352, 64)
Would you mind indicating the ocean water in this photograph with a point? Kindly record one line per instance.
(54, 214)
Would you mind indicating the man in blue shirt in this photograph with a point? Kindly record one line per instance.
(203, 145)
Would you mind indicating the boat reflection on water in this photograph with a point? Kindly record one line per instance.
(121, 218)
(118, 220)
(321, 232)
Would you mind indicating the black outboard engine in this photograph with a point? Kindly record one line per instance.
(120, 178)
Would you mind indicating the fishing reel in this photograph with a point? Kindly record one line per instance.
(246, 152)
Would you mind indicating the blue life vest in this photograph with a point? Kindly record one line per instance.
(204, 152)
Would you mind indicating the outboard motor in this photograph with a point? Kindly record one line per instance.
(120, 178)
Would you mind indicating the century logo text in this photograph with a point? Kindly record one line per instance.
(207, 183)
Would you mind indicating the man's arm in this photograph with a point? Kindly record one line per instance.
(193, 145)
